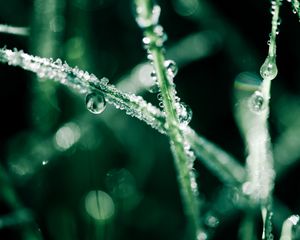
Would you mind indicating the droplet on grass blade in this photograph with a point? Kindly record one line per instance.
(269, 69)
(185, 113)
(95, 103)
(171, 67)
(257, 102)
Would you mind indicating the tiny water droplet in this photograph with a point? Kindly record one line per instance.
(269, 69)
(185, 113)
(159, 97)
(95, 103)
(146, 42)
(153, 76)
(202, 236)
(211, 221)
(58, 62)
(171, 67)
(154, 88)
(256, 102)
(44, 163)
(104, 81)
(279, 21)
(145, 20)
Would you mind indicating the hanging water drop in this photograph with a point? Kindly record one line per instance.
(95, 102)
(256, 102)
(185, 113)
(269, 69)
(171, 67)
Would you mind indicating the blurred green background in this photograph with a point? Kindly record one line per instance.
(69, 174)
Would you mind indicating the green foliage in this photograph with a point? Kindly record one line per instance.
(71, 174)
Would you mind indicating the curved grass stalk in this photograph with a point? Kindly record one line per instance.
(154, 36)
(222, 164)
(253, 118)
(287, 232)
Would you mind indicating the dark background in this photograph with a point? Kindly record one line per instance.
(103, 38)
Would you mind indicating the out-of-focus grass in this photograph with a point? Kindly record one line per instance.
(128, 163)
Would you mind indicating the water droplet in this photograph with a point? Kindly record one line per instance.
(104, 81)
(159, 97)
(185, 113)
(95, 102)
(44, 162)
(144, 19)
(58, 62)
(279, 21)
(211, 221)
(171, 67)
(146, 42)
(269, 69)
(202, 236)
(256, 102)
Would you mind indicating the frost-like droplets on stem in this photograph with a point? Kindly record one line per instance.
(269, 69)
(257, 102)
(288, 231)
(95, 102)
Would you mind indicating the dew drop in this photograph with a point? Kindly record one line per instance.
(95, 103)
(145, 20)
(58, 62)
(202, 236)
(154, 88)
(44, 162)
(104, 81)
(171, 67)
(159, 97)
(256, 102)
(185, 113)
(211, 221)
(269, 69)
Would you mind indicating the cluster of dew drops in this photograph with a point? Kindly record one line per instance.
(156, 40)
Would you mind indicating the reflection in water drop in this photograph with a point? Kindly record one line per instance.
(99, 205)
(95, 102)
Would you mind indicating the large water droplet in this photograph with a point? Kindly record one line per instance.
(269, 69)
(171, 67)
(95, 102)
(256, 102)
